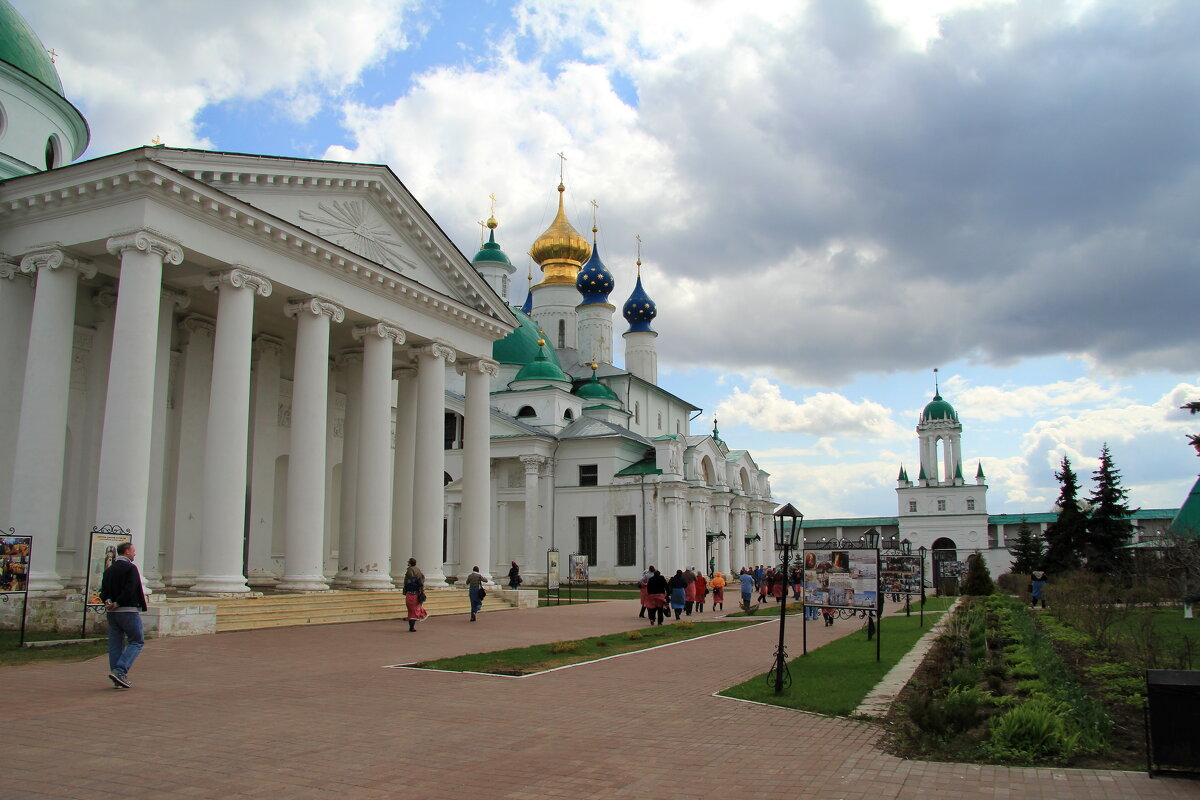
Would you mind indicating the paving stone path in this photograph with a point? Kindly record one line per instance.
(314, 714)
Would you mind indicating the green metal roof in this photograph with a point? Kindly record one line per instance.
(593, 389)
(851, 522)
(521, 346)
(490, 251)
(1187, 521)
(21, 47)
(939, 409)
(643, 467)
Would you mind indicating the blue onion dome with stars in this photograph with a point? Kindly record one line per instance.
(594, 281)
(639, 310)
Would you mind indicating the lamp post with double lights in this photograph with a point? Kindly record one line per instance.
(787, 538)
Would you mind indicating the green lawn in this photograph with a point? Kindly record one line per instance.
(835, 678)
(12, 654)
(540, 657)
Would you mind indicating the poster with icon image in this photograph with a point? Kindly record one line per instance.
(14, 563)
(102, 554)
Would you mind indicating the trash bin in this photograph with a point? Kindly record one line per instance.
(1172, 709)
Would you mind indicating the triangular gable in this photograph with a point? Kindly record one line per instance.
(363, 208)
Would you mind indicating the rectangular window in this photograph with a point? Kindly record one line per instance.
(941, 505)
(912, 506)
(626, 541)
(588, 475)
(970, 504)
(587, 539)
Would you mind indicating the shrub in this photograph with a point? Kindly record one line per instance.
(564, 647)
(979, 579)
(1032, 732)
(1023, 670)
(1030, 687)
(635, 636)
(961, 708)
(964, 677)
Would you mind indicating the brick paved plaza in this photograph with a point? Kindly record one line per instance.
(313, 713)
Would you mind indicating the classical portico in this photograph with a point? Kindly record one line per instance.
(210, 423)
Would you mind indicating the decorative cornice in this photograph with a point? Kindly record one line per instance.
(56, 259)
(177, 298)
(239, 277)
(384, 330)
(147, 241)
(485, 365)
(316, 306)
(198, 323)
(533, 464)
(436, 350)
(201, 193)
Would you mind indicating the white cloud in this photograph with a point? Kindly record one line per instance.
(763, 407)
(991, 403)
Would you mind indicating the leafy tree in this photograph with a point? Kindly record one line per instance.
(1065, 537)
(1027, 551)
(979, 578)
(1109, 526)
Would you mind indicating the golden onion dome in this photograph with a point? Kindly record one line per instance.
(561, 250)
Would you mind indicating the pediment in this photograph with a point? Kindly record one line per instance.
(362, 208)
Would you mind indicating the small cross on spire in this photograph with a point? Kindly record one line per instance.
(53, 55)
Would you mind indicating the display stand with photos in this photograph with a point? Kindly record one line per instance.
(579, 574)
(902, 573)
(102, 552)
(841, 577)
(553, 583)
(15, 559)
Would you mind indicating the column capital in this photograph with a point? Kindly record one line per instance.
(407, 371)
(147, 241)
(484, 365)
(382, 329)
(198, 324)
(9, 269)
(105, 298)
(436, 350)
(56, 259)
(265, 344)
(179, 299)
(533, 464)
(315, 305)
(239, 277)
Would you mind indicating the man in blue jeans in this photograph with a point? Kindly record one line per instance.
(124, 600)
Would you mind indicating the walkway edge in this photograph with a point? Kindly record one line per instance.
(880, 699)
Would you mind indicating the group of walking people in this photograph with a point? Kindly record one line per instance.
(684, 592)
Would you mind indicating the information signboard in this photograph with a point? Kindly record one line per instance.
(579, 568)
(14, 563)
(101, 555)
(552, 569)
(900, 574)
(841, 578)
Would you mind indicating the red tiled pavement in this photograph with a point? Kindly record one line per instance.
(311, 713)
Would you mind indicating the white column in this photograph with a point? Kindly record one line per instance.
(350, 363)
(699, 536)
(674, 534)
(227, 439)
(42, 433)
(264, 447)
(304, 537)
(16, 310)
(193, 393)
(155, 519)
(402, 471)
(428, 492)
(477, 481)
(737, 540)
(124, 480)
(373, 534)
(533, 468)
(722, 520)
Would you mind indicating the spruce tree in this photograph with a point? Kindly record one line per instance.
(1065, 537)
(1109, 527)
(1027, 551)
(979, 578)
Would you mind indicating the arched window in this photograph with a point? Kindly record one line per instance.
(569, 415)
(562, 334)
(53, 152)
(637, 411)
(526, 411)
(660, 420)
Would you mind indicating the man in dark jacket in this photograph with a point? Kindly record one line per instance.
(124, 600)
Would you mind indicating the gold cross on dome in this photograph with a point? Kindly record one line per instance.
(493, 198)
(562, 163)
(482, 227)
(53, 55)
(156, 141)
(595, 208)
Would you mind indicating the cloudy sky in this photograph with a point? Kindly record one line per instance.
(834, 197)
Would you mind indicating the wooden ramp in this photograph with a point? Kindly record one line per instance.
(277, 610)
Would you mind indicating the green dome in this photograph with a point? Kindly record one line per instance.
(521, 346)
(21, 47)
(595, 390)
(542, 369)
(490, 252)
(938, 409)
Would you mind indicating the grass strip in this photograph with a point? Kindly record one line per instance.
(835, 678)
(541, 657)
(13, 655)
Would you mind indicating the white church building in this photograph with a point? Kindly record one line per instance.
(281, 373)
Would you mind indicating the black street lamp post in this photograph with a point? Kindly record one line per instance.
(787, 537)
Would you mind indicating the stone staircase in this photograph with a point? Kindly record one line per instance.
(275, 610)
